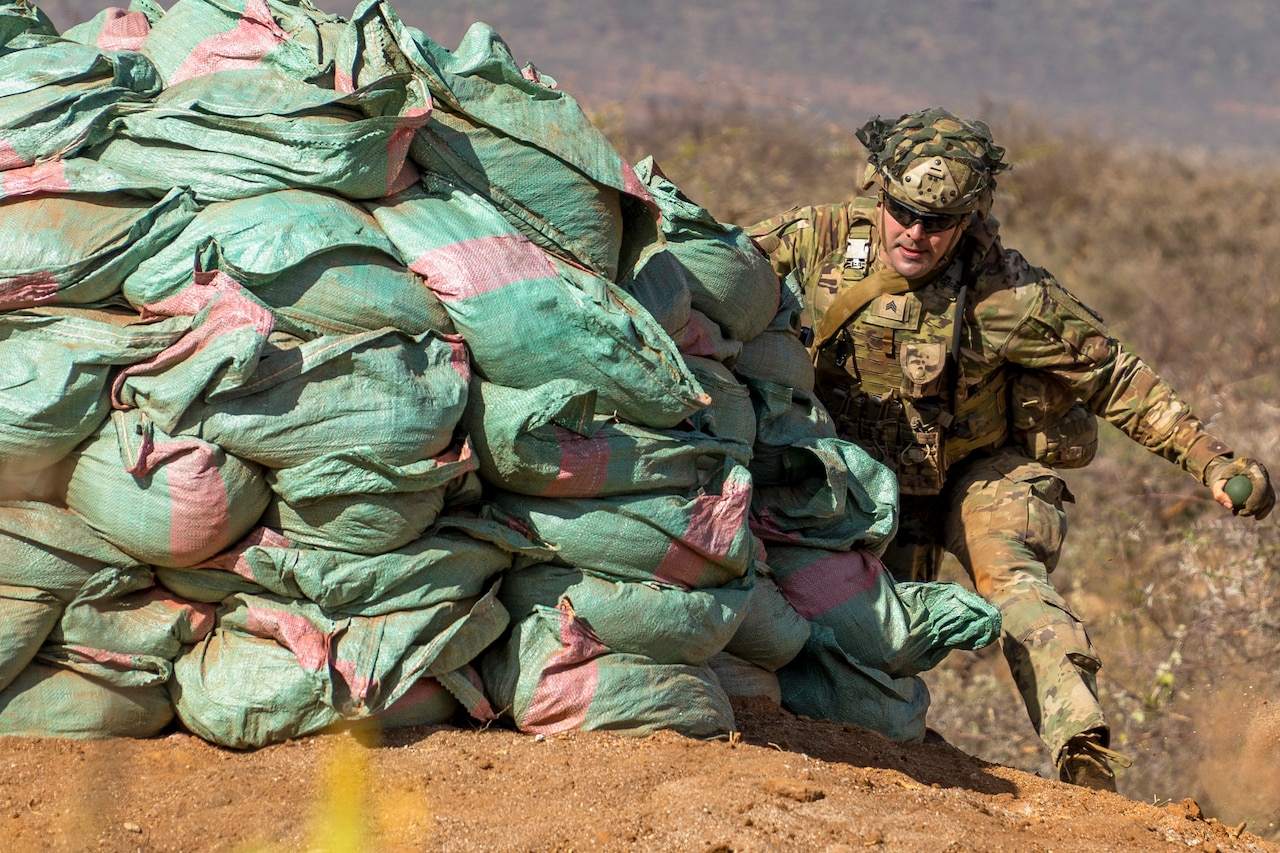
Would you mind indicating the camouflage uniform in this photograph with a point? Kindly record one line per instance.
(969, 480)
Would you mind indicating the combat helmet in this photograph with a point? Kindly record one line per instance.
(932, 160)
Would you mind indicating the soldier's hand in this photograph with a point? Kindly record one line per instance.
(1262, 497)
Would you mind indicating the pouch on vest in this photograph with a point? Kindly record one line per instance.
(1050, 424)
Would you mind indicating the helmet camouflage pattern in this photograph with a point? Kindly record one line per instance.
(933, 160)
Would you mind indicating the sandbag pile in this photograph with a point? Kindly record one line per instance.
(350, 377)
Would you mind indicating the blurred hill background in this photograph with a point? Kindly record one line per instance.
(1144, 139)
(1179, 72)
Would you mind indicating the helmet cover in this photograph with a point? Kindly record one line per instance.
(933, 160)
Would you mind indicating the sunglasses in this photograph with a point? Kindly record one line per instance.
(907, 216)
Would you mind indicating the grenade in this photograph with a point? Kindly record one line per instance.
(1238, 489)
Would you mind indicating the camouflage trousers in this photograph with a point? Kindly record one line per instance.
(1001, 516)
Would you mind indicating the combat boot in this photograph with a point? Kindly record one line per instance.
(1086, 762)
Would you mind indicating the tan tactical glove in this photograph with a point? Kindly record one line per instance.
(1262, 497)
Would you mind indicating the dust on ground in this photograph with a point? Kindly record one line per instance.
(782, 783)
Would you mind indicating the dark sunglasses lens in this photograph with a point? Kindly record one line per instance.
(932, 222)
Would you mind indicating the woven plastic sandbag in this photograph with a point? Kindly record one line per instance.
(118, 29)
(57, 96)
(664, 623)
(28, 615)
(241, 133)
(656, 281)
(78, 175)
(529, 318)
(351, 501)
(49, 558)
(149, 622)
(771, 632)
(317, 260)
(78, 249)
(731, 414)
(507, 134)
(706, 339)
(55, 365)
(395, 397)
(199, 37)
(50, 548)
(839, 498)
(901, 629)
(547, 442)
(695, 540)
(784, 416)
(242, 691)
(187, 499)
(454, 561)
(741, 678)
(729, 279)
(54, 701)
(554, 675)
(826, 683)
(776, 355)
(426, 703)
(22, 19)
(323, 669)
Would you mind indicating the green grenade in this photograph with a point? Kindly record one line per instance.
(1238, 489)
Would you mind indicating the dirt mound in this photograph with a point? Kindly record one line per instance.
(786, 783)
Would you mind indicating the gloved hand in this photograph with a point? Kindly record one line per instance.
(1262, 497)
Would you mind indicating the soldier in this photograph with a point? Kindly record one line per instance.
(972, 374)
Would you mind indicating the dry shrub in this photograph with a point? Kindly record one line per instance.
(1182, 600)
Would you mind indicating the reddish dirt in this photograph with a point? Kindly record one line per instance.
(786, 784)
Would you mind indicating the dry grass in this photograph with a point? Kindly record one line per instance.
(1182, 600)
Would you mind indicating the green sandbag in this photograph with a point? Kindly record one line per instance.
(776, 355)
(426, 703)
(367, 507)
(51, 549)
(839, 498)
(697, 539)
(729, 279)
(703, 337)
(150, 622)
(826, 683)
(76, 176)
(244, 692)
(456, 559)
(57, 96)
(198, 37)
(731, 414)
(492, 281)
(508, 135)
(28, 616)
(57, 363)
(187, 498)
(317, 260)
(52, 701)
(547, 441)
(901, 629)
(22, 19)
(118, 29)
(396, 397)
(667, 624)
(784, 416)
(276, 669)
(78, 249)
(245, 132)
(552, 675)
(771, 632)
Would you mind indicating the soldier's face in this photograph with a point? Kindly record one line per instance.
(912, 251)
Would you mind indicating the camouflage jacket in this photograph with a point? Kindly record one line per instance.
(1017, 321)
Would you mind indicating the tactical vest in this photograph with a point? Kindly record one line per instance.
(889, 376)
